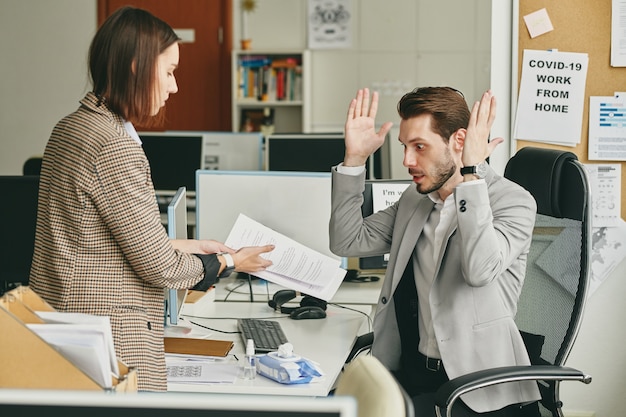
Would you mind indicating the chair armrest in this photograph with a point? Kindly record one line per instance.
(361, 344)
(449, 392)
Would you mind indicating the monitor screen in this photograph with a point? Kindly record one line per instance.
(174, 159)
(176, 229)
(317, 152)
(69, 403)
(379, 194)
(229, 151)
(175, 156)
(295, 204)
(19, 214)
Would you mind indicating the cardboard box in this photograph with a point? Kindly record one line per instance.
(27, 361)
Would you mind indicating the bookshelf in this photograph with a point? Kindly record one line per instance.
(271, 84)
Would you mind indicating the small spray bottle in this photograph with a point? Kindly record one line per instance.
(249, 366)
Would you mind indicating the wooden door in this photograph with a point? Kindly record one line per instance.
(203, 101)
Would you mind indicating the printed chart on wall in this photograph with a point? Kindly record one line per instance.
(607, 128)
(551, 97)
(608, 237)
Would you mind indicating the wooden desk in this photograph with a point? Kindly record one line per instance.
(326, 342)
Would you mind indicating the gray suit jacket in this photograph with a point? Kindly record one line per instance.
(478, 280)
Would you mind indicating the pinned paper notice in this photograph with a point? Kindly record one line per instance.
(538, 23)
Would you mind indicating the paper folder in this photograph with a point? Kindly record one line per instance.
(204, 347)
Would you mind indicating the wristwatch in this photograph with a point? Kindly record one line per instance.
(230, 264)
(479, 170)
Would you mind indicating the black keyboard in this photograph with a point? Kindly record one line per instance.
(267, 334)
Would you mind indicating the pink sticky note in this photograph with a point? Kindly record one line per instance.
(538, 23)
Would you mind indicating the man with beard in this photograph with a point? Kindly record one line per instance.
(458, 241)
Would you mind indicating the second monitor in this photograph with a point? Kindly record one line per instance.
(317, 152)
(175, 156)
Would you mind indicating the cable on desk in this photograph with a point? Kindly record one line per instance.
(213, 329)
(230, 318)
(369, 319)
(232, 290)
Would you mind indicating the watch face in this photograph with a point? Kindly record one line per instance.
(481, 170)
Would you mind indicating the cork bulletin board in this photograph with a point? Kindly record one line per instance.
(579, 26)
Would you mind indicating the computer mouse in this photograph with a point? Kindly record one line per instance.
(308, 312)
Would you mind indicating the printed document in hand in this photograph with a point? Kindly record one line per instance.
(295, 266)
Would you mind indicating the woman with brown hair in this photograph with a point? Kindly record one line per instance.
(100, 247)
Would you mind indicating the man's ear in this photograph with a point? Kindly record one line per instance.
(133, 67)
(458, 139)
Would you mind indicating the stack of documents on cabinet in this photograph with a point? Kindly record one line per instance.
(84, 339)
(295, 266)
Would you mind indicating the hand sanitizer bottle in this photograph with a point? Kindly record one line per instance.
(249, 366)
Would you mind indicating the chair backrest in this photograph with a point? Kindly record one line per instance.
(18, 214)
(376, 390)
(558, 269)
(32, 166)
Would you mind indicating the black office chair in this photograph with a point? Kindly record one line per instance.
(552, 302)
(550, 309)
(18, 213)
(32, 166)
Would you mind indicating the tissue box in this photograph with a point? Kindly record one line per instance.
(287, 370)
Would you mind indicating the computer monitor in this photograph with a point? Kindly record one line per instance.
(175, 156)
(69, 403)
(379, 194)
(295, 204)
(318, 152)
(229, 151)
(18, 212)
(174, 159)
(176, 229)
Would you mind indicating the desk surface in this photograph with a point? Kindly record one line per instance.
(237, 289)
(326, 342)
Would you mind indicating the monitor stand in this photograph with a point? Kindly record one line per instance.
(183, 327)
(253, 286)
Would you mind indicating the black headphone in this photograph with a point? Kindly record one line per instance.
(310, 307)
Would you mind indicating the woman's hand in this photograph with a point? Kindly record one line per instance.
(205, 246)
(248, 259)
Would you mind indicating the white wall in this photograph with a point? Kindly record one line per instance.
(599, 351)
(397, 45)
(43, 45)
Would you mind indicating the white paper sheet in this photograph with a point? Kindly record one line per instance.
(295, 266)
(607, 127)
(100, 322)
(201, 372)
(552, 97)
(609, 250)
(618, 33)
(83, 345)
(606, 191)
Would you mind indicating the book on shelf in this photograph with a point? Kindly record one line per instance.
(265, 78)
